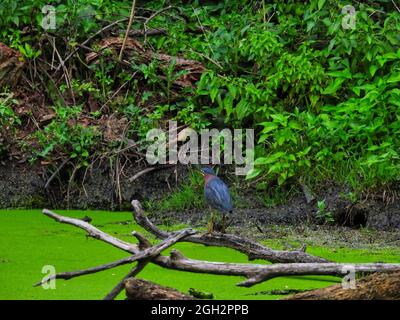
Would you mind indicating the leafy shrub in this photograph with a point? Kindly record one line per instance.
(67, 136)
(8, 121)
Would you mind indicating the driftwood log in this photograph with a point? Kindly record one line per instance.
(138, 289)
(296, 262)
(378, 286)
(250, 248)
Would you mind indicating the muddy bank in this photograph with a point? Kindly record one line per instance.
(23, 186)
(371, 213)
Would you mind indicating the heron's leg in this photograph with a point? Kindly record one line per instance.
(211, 223)
(224, 223)
(228, 221)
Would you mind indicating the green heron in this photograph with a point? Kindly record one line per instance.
(217, 196)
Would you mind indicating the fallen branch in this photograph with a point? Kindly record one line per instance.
(146, 254)
(93, 231)
(257, 273)
(120, 286)
(254, 273)
(252, 249)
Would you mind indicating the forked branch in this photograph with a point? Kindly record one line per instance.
(250, 248)
(254, 273)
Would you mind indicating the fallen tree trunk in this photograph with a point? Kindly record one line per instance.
(250, 248)
(138, 289)
(257, 273)
(254, 273)
(374, 287)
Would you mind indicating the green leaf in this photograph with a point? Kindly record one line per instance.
(395, 77)
(253, 173)
(334, 86)
(372, 69)
(331, 44)
(340, 74)
(282, 178)
(213, 93)
(269, 126)
(280, 118)
(242, 109)
(293, 124)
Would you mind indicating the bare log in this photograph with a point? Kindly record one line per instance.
(138, 289)
(93, 231)
(252, 249)
(146, 254)
(255, 273)
(372, 287)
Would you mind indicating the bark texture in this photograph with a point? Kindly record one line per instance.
(378, 286)
(138, 289)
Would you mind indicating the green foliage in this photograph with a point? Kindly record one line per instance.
(67, 136)
(78, 16)
(323, 214)
(188, 196)
(8, 121)
(8, 118)
(324, 100)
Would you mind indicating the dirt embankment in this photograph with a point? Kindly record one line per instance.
(23, 186)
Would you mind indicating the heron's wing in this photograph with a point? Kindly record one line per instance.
(217, 195)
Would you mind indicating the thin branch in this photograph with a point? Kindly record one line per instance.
(397, 8)
(152, 17)
(120, 286)
(46, 186)
(93, 231)
(127, 29)
(140, 173)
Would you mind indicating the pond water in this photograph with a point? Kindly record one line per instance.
(30, 241)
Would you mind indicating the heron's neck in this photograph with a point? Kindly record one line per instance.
(208, 177)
